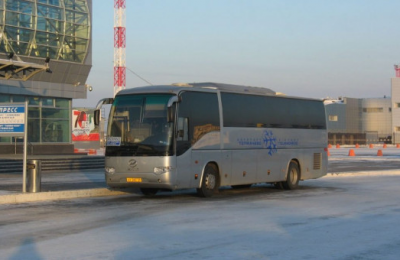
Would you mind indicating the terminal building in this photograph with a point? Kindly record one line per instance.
(45, 60)
(365, 120)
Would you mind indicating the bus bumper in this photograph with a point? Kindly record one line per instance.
(141, 180)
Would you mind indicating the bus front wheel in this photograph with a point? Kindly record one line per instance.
(293, 177)
(210, 182)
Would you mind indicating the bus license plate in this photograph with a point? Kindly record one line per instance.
(133, 179)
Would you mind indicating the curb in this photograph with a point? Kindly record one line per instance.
(58, 195)
(362, 173)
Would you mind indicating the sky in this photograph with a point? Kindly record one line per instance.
(308, 48)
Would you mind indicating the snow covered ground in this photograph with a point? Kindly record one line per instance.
(345, 215)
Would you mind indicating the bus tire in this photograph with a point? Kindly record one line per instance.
(293, 177)
(149, 191)
(238, 187)
(210, 182)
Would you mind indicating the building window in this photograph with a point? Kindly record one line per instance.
(58, 29)
(33, 101)
(4, 98)
(48, 119)
(47, 102)
(18, 99)
(373, 109)
(333, 118)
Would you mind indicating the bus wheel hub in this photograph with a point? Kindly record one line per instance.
(210, 181)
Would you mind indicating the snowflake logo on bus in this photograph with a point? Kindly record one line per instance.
(270, 142)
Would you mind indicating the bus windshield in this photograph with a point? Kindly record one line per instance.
(138, 126)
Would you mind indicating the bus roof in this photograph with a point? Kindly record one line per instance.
(177, 87)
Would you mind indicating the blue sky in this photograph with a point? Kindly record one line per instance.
(308, 48)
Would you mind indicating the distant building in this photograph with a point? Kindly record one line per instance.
(362, 121)
(396, 109)
(31, 33)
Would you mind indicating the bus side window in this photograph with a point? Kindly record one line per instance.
(182, 129)
(198, 115)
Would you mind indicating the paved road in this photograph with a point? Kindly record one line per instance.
(336, 217)
(365, 160)
(348, 165)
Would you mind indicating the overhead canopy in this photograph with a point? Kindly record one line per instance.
(19, 70)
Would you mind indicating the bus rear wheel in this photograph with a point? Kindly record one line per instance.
(149, 191)
(210, 182)
(293, 177)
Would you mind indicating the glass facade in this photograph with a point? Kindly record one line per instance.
(48, 119)
(58, 29)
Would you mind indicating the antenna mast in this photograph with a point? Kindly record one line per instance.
(397, 69)
(119, 45)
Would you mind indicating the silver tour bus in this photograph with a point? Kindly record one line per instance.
(209, 135)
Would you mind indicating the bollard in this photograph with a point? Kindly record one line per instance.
(34, 176)
(398, 146)
(384, 146)
(379, 153)
(329, 146)
(371, 146)
(327, 151)
(352, 153)
(337, 145)
(357, 146)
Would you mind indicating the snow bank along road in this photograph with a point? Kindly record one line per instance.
(346, 216)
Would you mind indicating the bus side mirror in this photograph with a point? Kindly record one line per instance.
(97, 117)
(171, 114)
(171, 109)
(104, 101)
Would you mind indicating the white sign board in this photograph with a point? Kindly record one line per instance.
(12, 119)
(13, 122)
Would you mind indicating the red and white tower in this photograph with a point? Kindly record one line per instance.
(397, 69)
(119, 45)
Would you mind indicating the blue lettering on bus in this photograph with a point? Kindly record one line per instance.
(268, 141)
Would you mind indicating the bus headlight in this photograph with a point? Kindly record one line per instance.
(109, 170)
(161, 170)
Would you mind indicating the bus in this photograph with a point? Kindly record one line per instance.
(209, 135)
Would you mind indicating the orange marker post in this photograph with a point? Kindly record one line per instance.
(371, 146)
(379, 153)
(352, 153)
(337, 145)
(328, 153)
(357, 146)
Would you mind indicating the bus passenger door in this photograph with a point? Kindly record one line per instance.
(184, 165)
(184, 153)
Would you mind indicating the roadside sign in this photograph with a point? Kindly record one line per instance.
(14, 122)
(12, 119)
